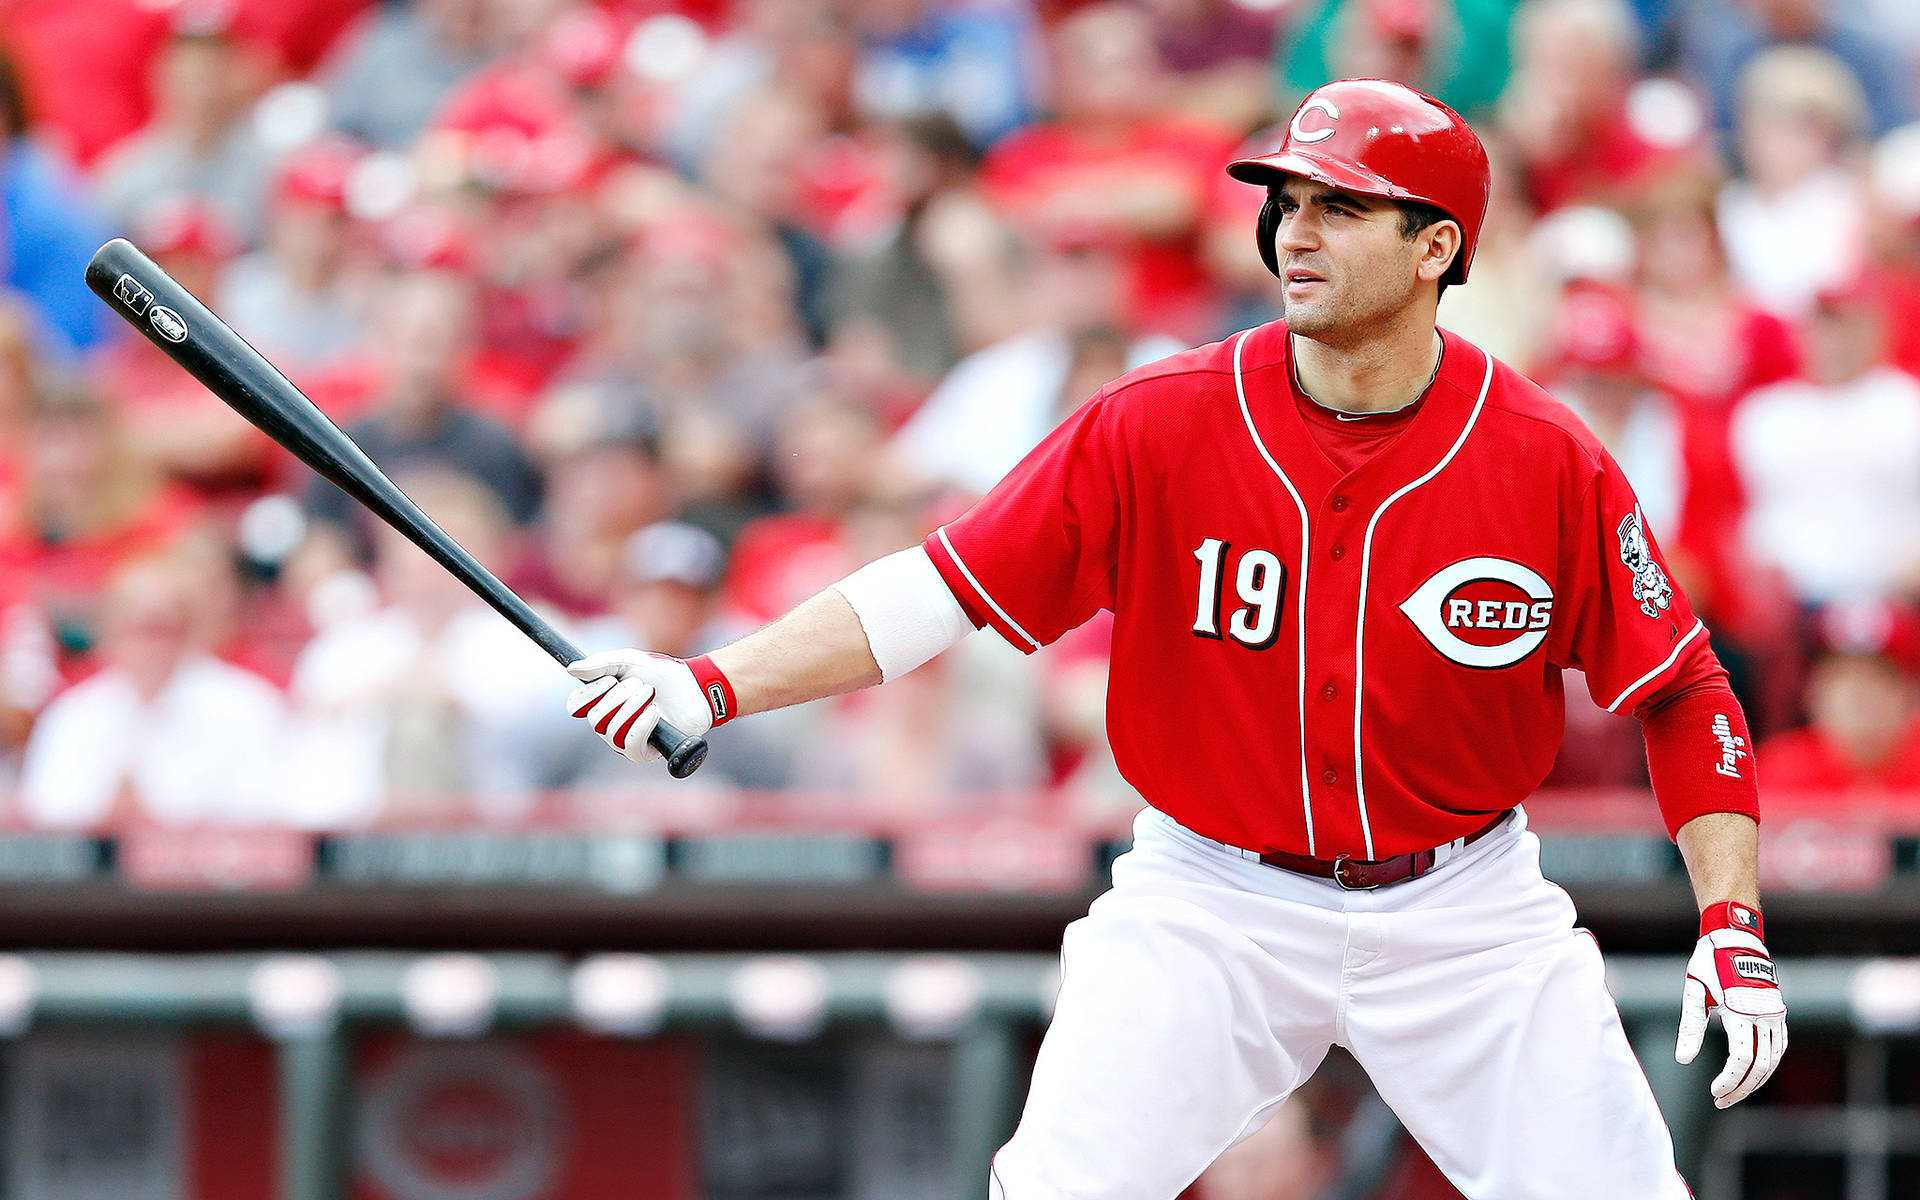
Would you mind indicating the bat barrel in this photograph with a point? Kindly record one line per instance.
(189, 333)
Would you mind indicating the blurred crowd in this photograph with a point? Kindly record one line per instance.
(675, 312)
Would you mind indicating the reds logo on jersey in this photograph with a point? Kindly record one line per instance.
(1482, 612)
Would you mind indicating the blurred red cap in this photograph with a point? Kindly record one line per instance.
(1405, 20)
(517, 132)
(319, 172)
(1873, 627)
(185, 225)
(1593, 330)
(583, 46)
(426, 238)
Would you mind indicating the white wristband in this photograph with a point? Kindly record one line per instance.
(907, 611)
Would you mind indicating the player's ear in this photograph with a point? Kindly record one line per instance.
(1438, 245)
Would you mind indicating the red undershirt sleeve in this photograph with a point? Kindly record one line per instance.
(1699, 753)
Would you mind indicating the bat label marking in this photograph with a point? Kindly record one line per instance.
(168, 323)
(129, 292)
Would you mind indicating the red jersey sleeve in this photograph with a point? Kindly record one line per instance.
(1036, 556)
(1633, 630)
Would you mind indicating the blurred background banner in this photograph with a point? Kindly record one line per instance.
(675, 311)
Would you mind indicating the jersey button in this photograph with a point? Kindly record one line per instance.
(1337, 553)
(1329, 776)
(1339, 504)
(1329, 692)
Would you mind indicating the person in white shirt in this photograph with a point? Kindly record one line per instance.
(164, 731)
(380, 729)
(997, 403)
(1801, 112)
(1831, 463)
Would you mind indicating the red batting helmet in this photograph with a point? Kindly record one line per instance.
(1375, 137)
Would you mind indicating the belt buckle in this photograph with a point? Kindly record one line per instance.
(1340, 875)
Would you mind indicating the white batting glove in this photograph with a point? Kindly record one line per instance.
(626, 693)
(1731, 971)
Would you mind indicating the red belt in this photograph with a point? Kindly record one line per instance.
(1360, 875)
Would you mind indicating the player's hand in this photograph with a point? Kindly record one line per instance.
(1731, 971)
(625, 693)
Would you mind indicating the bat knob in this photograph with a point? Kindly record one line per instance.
(684, 759)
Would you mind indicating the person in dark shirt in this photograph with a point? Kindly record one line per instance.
(424, 336)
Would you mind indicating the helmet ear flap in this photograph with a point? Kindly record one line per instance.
(1268, 232)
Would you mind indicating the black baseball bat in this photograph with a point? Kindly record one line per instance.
(186, 331)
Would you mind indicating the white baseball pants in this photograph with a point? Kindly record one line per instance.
(1205, 987)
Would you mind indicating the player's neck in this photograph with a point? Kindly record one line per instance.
(1378, 375)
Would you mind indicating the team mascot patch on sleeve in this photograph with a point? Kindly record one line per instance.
(1650, 586)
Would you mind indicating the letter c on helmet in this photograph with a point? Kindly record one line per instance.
(1299, 134)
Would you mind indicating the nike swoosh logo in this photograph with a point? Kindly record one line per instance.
(1352, 416)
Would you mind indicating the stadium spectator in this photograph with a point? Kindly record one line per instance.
(1801, 114)
(824, 465)
(392, 71)
(1863, 698)
(1593, 367)
(520, 212)
(85, 505)
(82, 112)
(667, 592)
(20, 380)
(1217, 52)
(599, 449)
(893, 300)
(1831, 463)
(698, 318)
(755, 167)
(200, 143)
(1568, 109)
(293, 298)
(173, 423)
(734, 64)
(1895, 191)
(1507, 307)
(48, 229)
(1111, 166)
(931, 748)
(1719, 39)
(425, 338)
(1457, 50)
(997, 403)
(380, 729)
(667, 595)
(974, 63)
(293, 36)
(584, 51)
(1700, 337)
(164, 732)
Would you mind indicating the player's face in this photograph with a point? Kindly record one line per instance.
(1344, 263)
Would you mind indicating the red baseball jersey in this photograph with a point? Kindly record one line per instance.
(1363, 663)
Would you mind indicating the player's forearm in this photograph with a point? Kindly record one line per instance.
(1722, 852)
(819, 649)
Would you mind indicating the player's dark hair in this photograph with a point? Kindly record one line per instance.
(1415, 217)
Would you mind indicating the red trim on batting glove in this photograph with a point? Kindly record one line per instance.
(716, 688)
(1731, 914)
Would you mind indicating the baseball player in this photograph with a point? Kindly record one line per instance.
(1348, 556)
